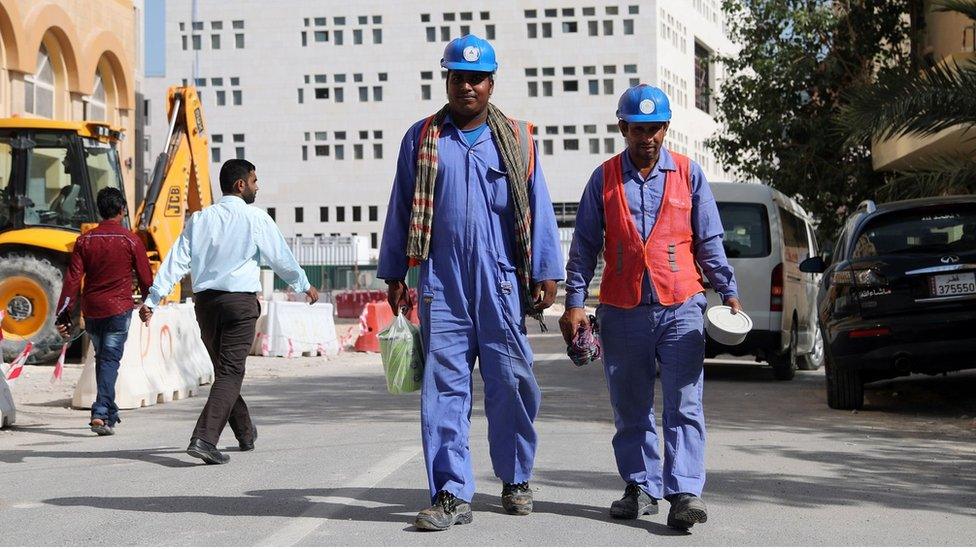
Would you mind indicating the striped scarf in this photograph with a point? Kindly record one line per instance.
(505, 134)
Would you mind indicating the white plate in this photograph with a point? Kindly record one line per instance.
(725, 327)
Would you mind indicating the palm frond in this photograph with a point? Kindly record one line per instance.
(939, 98)
(949, 176)
(965, 7)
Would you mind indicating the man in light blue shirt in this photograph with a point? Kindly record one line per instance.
(220, 247)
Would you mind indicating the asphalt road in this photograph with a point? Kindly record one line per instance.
(338, 462)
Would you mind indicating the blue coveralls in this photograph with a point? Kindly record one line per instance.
(470, 304)
(633, 339)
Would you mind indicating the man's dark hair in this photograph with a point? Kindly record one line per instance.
(231, 171)
(111, 202)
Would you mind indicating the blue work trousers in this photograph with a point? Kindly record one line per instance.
(634, 342)
(108, 337)
(481, 319)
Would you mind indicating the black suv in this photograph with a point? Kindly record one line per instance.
(898, 295)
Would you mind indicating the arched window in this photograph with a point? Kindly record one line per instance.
(39, 87)
(95, 105)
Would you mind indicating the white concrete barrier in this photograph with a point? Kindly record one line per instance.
(292, 329)
(162, 362)
(8, 412)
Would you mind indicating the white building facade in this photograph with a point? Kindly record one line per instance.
(318, 93)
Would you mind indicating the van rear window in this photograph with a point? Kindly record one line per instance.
(746, 229)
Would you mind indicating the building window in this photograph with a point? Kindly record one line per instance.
(357, 36)
(39, 88)
(608, 86)
(340, 214)
(324, 214)
(533, 89)
(340, 152)
(337, 38)
(594, 146)
(301, 95)
(357, 213)
(237, 97)
(239, 24)
(299, 215)
(215, 154)
(547, 146)
(431, 34)
(628, 26)
(373, 240)
(425, 92)
(321, 150)
(532, 29)
(321, 36)
(363, 93)
(571, 144)
(305, 152)
(239, 152)
(357, 152)
(377, 36)
(490, 32)
(377, 151)
(271, 213)
(570, 86)
(702, 78)
(593, 28)
(570, 27)
(239, 41)
(221, 98)
(377, 93)
(197, 42)
(374, 213)
(339, 95)
(215, 41)
(95, 105)
(321, 93)
(547, 89)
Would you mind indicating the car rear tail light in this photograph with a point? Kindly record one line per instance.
(861, 277)
(869, 332)
(776, 290)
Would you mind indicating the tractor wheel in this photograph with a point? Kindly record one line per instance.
(29, 289)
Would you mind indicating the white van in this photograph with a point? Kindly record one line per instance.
(767, 235)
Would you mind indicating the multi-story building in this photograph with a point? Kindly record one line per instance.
(64, 60)
(318, 93)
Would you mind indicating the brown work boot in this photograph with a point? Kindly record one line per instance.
(517, 498)
(446, 511)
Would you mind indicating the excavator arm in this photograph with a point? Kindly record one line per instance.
(180, 183)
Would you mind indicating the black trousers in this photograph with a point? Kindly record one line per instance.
(227, 321)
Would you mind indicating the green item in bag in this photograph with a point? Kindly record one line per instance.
(403, 357)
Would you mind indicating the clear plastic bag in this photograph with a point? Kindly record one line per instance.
(403, 358)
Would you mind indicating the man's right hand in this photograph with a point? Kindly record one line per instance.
(398, 296)
(570, 322)
(313, 294)
(145, 313)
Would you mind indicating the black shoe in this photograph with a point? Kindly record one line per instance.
(686, 511)
(446, 511)
(248, 446)
(635, 503)
(517, 498)
(207, 452)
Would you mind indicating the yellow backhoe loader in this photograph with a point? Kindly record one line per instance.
(50, 172)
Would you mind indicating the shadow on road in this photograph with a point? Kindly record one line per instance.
(156, 456)
(395, 505)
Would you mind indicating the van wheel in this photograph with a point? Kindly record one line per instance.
(785, 365)
(845, 388)
(815, 359)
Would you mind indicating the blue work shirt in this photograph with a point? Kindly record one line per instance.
(644, 200)
(474, 216)
(221, 246)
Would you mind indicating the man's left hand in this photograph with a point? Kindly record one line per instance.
(64, 330)
(543, 295)
(145, 314)
(733, 303)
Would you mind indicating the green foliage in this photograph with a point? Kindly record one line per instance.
(783, 90)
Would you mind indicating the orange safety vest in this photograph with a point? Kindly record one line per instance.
(667, 255)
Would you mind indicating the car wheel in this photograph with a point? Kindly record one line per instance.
(785, 365)
(845, 389)
(815, 359)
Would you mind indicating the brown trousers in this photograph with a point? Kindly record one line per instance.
(227, 321)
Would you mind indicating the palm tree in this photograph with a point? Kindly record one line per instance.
(920, 104)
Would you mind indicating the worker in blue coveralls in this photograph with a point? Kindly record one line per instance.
(470, 206)
(652, 212)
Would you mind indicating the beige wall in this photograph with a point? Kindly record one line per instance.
(945, 33)
(81, 36)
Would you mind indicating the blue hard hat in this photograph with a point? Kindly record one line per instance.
(469, 53)
(644, 103)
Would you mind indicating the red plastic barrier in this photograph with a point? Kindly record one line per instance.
(378, 317)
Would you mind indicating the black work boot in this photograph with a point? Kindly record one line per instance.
(686, 511)
(209, 453)
(635, 503)
(517, 498)
(446, 511)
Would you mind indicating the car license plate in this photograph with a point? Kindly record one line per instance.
(952, 284)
